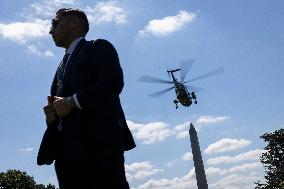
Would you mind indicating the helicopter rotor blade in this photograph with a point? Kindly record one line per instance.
(209, 74)
(193, 89)
(151, 79)
(159, 93)
(185, 66)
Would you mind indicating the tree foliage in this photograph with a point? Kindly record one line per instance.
(15, 179)
(273, 161)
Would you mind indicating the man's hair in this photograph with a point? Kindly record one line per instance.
(77, 13)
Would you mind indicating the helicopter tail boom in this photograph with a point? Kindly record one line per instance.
(172, 71)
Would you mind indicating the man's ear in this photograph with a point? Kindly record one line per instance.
(75, 22)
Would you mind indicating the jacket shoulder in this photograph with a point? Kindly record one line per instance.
(102, 43)
(103, 48)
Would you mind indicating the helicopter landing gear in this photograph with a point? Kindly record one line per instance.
(176, 102)
(193, 96)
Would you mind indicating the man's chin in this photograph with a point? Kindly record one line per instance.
(58, 44)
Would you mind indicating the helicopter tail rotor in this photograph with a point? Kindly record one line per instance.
(169, 75)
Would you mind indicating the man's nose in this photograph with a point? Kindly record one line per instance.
(51, 31)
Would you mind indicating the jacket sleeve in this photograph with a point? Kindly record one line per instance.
(108, 76)
(50, 145)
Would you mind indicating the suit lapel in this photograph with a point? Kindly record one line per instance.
(70, 63)
(71, 60)
(73, 56)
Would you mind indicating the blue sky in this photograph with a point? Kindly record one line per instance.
(233, 110)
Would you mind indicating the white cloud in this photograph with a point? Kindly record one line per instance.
(250, 155)
(159, 131)
(212, 171)
(141, 170)
(36, 18)
(185, 182)
(167, 25)
(187, 156)
(33, 24)
(29, 149)
(48, 8)
(232, 178)
(234, 170)
(182, 134)
(151, 132)
(245, 167)
(235, 181)
(181, 127)
(134, 126)
(226, 144)
(182, 130)
(22, 31)
(238, 177)
(204, 120)
(34, 50)
(107, 12)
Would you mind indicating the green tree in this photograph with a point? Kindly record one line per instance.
(40, 186)
(15, 179)
(273, 161)
(49, 186)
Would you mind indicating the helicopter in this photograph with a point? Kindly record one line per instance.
(185, 94)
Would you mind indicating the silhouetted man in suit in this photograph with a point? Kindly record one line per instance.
(86, 131)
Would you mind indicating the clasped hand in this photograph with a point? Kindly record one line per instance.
(57, 107)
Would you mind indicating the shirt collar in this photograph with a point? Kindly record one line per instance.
(73, 45)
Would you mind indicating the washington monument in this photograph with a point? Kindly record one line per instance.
(197, 159)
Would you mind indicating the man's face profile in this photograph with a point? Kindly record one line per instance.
(60, 29)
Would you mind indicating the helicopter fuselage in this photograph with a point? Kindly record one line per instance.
(182, 94)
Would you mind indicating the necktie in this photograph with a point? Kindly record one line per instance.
(60, 74)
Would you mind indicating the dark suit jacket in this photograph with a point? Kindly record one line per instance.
(93, 72)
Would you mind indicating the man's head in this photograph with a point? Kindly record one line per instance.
(67, 25)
